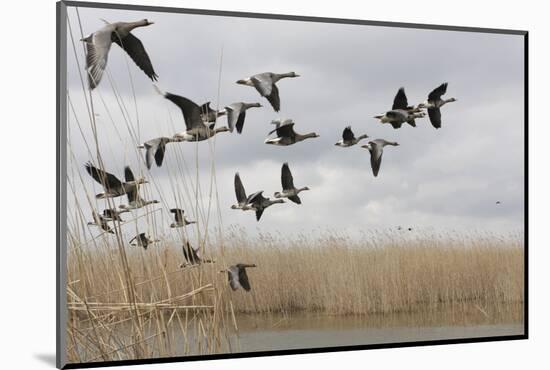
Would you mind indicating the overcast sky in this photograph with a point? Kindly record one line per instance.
(446, 179)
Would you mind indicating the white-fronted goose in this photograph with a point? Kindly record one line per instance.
(286, 134)
(401, 112)
(155, 149)
(237, 276)
(100, 222)
(180, 218)
(113, 214)
(236, 114)
(208, 114)
(142, 241)
(242, 199)
(264, 83)
(289, 191)
(134, 200)
(349, 139)
(99, 43)
(376, 148)
(196, 129)
(259, 203)
(191, 256)
(111, 184)
(434, 103)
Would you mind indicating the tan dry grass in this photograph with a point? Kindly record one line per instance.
(328, 274)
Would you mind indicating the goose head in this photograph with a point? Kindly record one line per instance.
(450, 100)
(311, 135)
(245, 81)
(143, 22)
(277, 195)
(290, 74)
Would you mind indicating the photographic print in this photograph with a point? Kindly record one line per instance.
(235, 184)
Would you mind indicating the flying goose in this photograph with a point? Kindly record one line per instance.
(401, 112)
(242, 199)
(155, 149)
(112, 185)
(286, 134)
(400, 228)
(237, 276)
(181, 220)
(134, 200)
(191, 256)
(375, 148)
(142, 241)
(264, 83)
(100, 222)
(208, 114)
(259, 203)
(99, 43)
(236, 113)
(113, 214)
(196, 129)
(434, 103)
(289, 191)
(349, 139)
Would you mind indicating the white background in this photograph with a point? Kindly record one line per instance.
(28, 183)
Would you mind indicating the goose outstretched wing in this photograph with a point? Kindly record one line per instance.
(134, 48)
(400, 100)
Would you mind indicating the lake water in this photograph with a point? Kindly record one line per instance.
(257, 333)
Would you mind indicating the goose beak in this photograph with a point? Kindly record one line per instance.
(241, 82)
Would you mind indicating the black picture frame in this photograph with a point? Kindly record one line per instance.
(61, 191)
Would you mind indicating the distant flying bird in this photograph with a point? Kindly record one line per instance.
(112, 185)
(401, 112)
(155, 149)
(349, 139)
(196, 129)
(242, 198)
(100, 222)
(375, 148)
(264, 83)
(286, 134)
(134, 200)
(180, 218)
(99, 43)
(191, 256)
(237, 276)
(434, 103)
(208, 114)
(142, 241)
(498, 202)
(113, 214)
(289, 191)
(259, 203)
(236, 114)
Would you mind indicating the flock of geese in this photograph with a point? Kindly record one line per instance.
(200, 125)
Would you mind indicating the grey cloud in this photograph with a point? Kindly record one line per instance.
(448, 178)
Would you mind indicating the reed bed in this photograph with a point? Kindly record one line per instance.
(384, 273)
